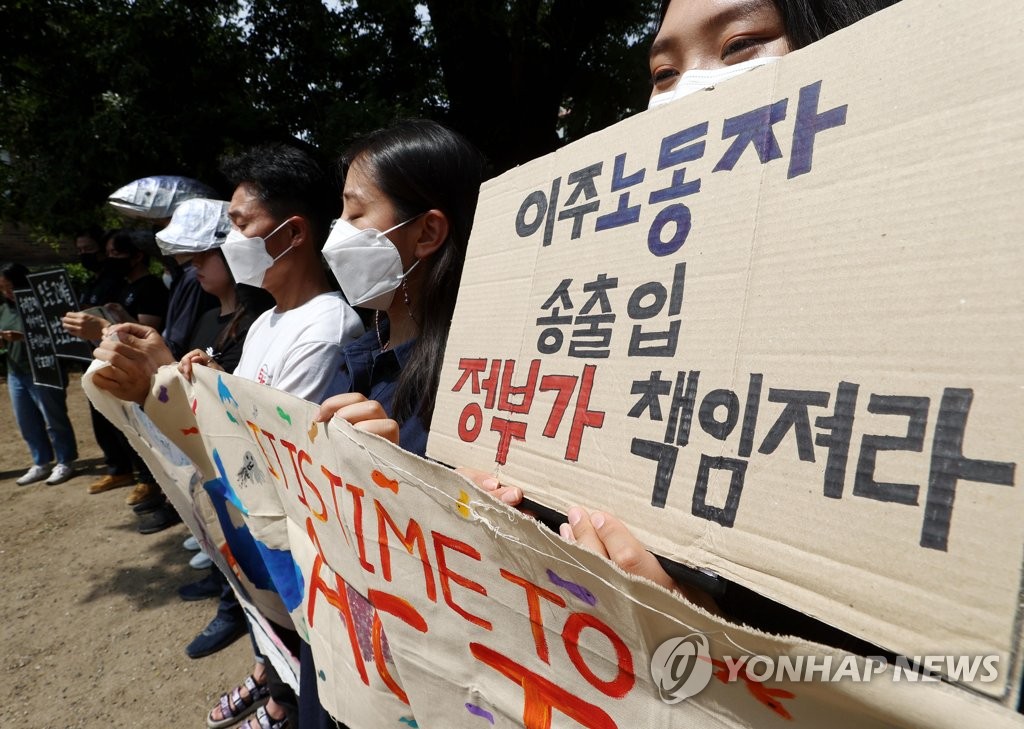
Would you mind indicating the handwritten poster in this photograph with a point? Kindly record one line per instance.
(427, 601)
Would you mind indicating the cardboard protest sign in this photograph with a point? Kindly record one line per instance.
(427, 603)
(191, 484)
(777, 327)
(56, 298)
(42, 357)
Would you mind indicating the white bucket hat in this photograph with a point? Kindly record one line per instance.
(197, 225)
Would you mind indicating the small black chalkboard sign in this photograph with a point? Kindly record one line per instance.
(42, 357)
(56, 297)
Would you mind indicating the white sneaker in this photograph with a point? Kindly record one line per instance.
(200, 561)
(36, 473)
(191, 544)
(60, 473)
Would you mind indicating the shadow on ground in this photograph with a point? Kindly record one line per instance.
(152, 585)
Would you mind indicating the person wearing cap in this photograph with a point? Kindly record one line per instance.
(189, 300)
(195, 234)
(197, 230)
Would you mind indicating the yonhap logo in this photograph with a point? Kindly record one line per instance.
(681, 667)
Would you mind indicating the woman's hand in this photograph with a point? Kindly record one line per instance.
(602, 534)
(196, 357)
(607, 536)
(84, 326)
(134, 353)
(11, 335)
(365, 414)
(511, 495)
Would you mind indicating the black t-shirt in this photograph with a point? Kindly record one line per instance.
(207, 330)
(106, 288)
(187, 302)
(146, 295)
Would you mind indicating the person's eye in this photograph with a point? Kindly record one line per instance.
(739, 45)
(663, 76)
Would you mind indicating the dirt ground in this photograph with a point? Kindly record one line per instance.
(94, 633)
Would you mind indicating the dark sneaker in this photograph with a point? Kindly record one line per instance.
(220, 633)
(151, 522)
(204, 589)
(153, 503)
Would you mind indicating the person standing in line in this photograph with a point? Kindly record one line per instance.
(188, 302)
(106, 285)
(144, 298)
(197, 229)
(699, 35)
(409, 199)
(41, 412)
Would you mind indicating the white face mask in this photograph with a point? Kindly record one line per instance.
(367, 265)
(248, 258)
(699, 78)
(168, 279)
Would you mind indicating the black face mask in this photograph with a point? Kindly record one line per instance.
(119, 266)
(91, 261)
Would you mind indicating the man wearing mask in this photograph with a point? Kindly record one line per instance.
(279, 228)
(281, 212)
(105, 284)
(142, 297)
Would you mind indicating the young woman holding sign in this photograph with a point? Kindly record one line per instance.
(409, 198)
(693, 35)
(716, 36)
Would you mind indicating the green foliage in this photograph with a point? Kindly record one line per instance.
(78, 274)
(96, 93)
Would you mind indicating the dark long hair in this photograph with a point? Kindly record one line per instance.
(807, 21)
(250, 302)
(420, 165)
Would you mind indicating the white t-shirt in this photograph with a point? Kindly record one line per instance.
(299, 351)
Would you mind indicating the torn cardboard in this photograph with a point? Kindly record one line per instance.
(777, 327)
(428, 603)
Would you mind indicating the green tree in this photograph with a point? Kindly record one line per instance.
(95, 93)
(522, 76)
